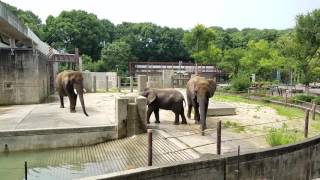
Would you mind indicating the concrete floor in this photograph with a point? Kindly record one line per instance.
(100, 107)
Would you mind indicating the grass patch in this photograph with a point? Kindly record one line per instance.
(234, 126)
(280, 136)
(289, 112)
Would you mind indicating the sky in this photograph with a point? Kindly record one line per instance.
(277, 14)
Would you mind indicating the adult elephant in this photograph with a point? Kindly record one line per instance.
(168, 99)
(70, 83)
(199, 90)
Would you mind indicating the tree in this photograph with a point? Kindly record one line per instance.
(231, 61)
(200, 42)
(308, 35)
(116, 56)
(79, 29)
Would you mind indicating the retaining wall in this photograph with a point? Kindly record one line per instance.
(24, 76)
(296, 161)
(20, 140)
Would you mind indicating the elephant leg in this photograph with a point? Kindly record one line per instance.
(184, 120)
(149, 112)
(61, 101)
(72, 103)
(196, 112)
(176, 119)
(189, 108)
(156, 115)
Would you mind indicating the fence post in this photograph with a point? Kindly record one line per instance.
(306, 123)
(219, 137)
(94, 83)
(149, 147)
(313, 110)
(25, 170)
(131, 83)
(119, 83)
(286, 97)
(107, 83)
(238, 164)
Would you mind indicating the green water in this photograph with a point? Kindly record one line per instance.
(51, 164)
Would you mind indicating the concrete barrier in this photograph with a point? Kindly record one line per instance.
(294, 161)
(130, 115)
(35, 139)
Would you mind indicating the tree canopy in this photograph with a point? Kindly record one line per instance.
(105, 46)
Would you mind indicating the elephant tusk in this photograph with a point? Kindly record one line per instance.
(84, 90)
(75, 91)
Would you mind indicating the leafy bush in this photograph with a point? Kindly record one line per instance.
(240, 82)
(280, 136)
(317, 100)
(303, 97)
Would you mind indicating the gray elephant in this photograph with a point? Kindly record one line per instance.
(168, 99)
(70, 83)
(199, 90)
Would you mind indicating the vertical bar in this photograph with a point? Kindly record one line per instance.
(313, 110)
(131, 83)
(149, 147)
(238, 164)
(94, 83)
(119, 83)
(219, 137)
(306, 123)
(249, 92)
(107, 83)
(286, 97)
(25, 170)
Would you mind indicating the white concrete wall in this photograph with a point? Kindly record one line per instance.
(100, 80)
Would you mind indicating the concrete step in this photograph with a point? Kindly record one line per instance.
(219, 109)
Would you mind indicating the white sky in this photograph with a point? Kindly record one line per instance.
(279, 14)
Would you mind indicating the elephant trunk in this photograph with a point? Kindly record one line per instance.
(203, 105)
(80, 93)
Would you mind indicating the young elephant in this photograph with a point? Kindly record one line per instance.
(168, 99)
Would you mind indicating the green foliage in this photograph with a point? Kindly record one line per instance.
(303, 97)
(281, 136)
(240, 82)
(80, 29)
(317, 100)
(116, 56)
(307, 33)
(235, 126)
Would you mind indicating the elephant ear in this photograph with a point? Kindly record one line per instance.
(151, 97)
(212, 87)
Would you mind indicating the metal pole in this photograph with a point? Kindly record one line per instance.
(131, 83)
(119, 84)
(219, 137)
(313, 110)
(25, 170)
(149, 147)
(306, 123)
(94, 83)
(238, 164)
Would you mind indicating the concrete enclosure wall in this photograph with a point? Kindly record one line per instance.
(131, 115)
(100, 80)
(24, 76)
(298, 161)
(54, 138)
